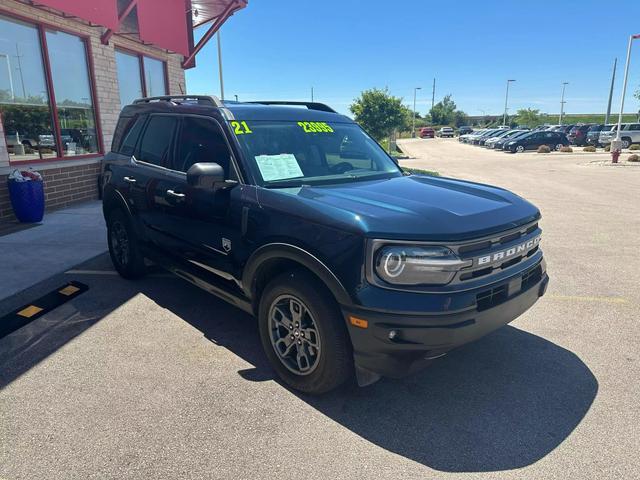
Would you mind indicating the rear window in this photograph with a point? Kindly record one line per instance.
(130, 138)
(596, 128)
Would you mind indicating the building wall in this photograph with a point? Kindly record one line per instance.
(69, 181)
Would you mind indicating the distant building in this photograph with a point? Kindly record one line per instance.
(68, 66)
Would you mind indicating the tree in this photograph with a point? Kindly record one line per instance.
(380, 113)
(460, 118)
(528, 117)
(443, 112)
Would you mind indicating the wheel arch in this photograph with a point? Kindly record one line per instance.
(274, 258)
(113, 199)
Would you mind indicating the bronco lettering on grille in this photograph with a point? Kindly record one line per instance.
(520, 249)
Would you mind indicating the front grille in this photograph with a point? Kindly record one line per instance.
(487, 247)
(491, 298)
(495, 296)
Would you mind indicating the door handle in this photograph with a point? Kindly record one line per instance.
(129, 179)
(177, 195)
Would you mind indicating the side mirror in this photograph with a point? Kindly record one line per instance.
(205, 175)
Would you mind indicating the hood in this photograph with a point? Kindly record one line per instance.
(409, 207)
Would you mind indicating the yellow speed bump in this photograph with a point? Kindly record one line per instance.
(29, 311)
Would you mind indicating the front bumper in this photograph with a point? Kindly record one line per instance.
(420, 338)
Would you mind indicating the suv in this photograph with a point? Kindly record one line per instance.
(297, 216)
(446, 132)
(629, 134)
(593, 135)
(578, 134)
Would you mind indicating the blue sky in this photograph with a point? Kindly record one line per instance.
(278, 49)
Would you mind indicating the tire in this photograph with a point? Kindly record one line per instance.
(124, 247)
(520, 149)
(282, 328)
(626, 142)
(558, 147)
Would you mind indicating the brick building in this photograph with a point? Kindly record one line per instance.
(67, 68)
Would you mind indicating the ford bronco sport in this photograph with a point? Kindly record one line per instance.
(294, 214)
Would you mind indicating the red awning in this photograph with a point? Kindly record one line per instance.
(163, 23)
(100, 12)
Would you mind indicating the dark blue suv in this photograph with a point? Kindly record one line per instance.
(294, 214)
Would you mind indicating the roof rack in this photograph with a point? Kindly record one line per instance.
(201, 99)
(310, 105)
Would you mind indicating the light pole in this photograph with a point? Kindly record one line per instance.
(413, 128)
(506, 100)
(562, 102)
(220, 67)
(624, 87)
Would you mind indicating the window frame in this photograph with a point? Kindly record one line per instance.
(140, 56)
(233, 163)
(42, 28)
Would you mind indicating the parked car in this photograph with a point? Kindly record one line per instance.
(496, 134)
(491, 142)
(427, 132)
(499, 145)
(446, 132)
(593, 135)
(485, 134)
(464, 130)
(578, 134)
(533, 140)
(466, 138)
(13, 139)
(629, 134)
(297, 216)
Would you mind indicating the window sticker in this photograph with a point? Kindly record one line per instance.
(278, 167)
(315, 127)
(240, 128)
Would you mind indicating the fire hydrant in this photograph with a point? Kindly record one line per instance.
(615, 155)
(616, 148)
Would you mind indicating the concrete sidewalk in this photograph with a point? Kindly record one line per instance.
(65, 238)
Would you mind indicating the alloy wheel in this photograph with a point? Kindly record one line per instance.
(294, 335)
(120, 242)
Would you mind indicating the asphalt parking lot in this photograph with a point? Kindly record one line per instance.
(157, 379)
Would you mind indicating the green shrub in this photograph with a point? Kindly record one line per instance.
(544, 149)
(590, 148)
(566, 150)
(419, 171)
(635, 146)
(633, 158)
(607, 148)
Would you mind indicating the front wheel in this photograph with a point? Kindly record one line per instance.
(520, 148)
(303, 333)
(558, 147)
(626, 143)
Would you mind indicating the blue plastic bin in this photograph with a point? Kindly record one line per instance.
(27, 200)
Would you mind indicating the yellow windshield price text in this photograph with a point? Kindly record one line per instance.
(240, 128)
(315, 127)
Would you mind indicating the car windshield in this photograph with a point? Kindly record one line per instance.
(290, 154)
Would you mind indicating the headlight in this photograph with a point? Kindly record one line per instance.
(417, 265)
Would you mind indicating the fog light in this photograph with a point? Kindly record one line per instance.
(393, 334)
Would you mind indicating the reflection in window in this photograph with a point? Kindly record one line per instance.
(129, 79)
(68, 59)
(24, 102)
(154, 77)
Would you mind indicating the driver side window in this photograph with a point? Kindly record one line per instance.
(202, 141)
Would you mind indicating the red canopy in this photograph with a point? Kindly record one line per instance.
(101, 12)
(163, 23)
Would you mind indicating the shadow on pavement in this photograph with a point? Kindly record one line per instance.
(501, 403)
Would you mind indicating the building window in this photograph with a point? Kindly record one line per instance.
(154, 77)
(139, 76)
(46, 93)
(24, 99)
(68, 59)
(129, 78)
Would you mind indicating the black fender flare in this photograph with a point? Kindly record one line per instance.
(297, 254)
(112, 198)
